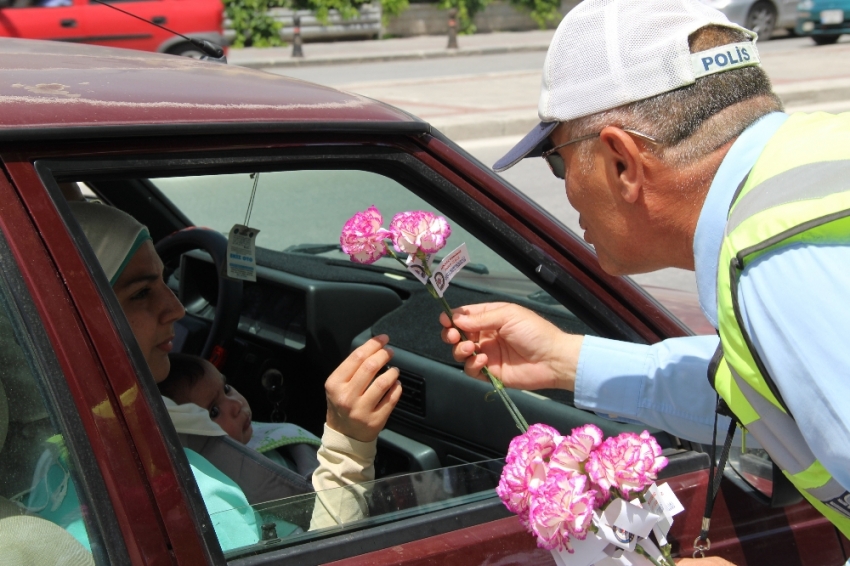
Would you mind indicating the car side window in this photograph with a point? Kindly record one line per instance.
(40, 512)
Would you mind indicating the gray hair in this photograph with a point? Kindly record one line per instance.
(693, 121)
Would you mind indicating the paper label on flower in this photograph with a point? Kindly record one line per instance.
(630, 518)
(619, 537)
(662, 500)
(449, 267)
(241, 258)
(414, 265)
(585, 552)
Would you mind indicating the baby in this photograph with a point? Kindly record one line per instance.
(346, 452)
(192, 379)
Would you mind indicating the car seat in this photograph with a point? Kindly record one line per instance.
(261, 479)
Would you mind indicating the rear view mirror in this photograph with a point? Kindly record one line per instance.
(754, 472)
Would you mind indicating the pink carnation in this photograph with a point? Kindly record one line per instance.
(628, 462)
(562, 507)
(525, 467)
(574, 450)
(419, 231)
(363, 238)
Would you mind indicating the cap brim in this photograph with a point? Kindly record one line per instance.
(530, 146)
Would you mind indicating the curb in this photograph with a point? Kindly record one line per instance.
(260, 63)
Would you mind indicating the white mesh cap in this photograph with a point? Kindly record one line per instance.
(607, 53)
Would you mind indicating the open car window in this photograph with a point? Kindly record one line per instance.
(311, 305)
(302, 518)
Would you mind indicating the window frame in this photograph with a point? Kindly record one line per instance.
(108, 543)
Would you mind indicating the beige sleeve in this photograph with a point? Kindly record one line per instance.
(343, 461)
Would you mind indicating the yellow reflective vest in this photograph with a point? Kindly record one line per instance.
(797, 192)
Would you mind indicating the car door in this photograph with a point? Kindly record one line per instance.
(111, 28)
(62, 20)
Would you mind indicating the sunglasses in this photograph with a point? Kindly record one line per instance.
(556, 162)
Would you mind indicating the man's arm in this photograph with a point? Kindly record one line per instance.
(664, 385)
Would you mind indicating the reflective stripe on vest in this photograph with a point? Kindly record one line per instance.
(797, 193)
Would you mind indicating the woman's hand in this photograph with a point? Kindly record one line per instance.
(359, 403)
(522, 349)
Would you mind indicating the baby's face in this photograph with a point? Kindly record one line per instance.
(227, 407)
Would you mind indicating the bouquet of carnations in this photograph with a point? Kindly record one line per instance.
(589, 500)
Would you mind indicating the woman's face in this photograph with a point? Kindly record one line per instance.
(150, 307)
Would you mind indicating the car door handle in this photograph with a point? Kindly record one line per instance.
(159, 20)
(68, 23)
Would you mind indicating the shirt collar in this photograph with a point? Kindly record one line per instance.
(742, 156)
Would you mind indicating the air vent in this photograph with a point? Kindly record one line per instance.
(412, 394)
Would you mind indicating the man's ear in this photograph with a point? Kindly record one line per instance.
(624, 164)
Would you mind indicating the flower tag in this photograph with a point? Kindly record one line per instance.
(662, 501)
(585, 552)
(449, 267)
(414, 265)
(241, 259)
(618, 537)
(630, 517)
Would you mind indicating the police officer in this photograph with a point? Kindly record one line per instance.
(676, 153)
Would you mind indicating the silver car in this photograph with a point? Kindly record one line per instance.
(761, 16)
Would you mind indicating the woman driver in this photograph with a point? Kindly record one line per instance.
(357, 411)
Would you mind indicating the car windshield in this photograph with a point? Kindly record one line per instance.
(296, 519)
(303, 212)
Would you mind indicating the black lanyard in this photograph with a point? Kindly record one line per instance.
(702, 543)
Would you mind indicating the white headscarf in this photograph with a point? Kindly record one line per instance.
(114, 235)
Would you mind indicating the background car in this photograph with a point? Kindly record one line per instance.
(760, 16)
(179, 144)
(823, 20)
(85, 21)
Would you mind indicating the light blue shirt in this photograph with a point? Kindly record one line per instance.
(796, 307)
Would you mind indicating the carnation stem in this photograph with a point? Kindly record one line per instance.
(497, 384)
(639, 549)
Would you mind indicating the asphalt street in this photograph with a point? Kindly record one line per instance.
(485, 102)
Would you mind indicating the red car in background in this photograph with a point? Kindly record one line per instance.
(178, 143)
(84, 21)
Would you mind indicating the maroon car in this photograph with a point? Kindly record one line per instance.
(179, 143)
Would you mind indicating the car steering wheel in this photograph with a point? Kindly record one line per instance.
(228, 304)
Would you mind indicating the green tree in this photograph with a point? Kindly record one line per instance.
(543, 12)
(254, 26)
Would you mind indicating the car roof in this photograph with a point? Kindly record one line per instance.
(64, 90)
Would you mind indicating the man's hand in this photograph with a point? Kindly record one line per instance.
(522, 349)
(359, 403)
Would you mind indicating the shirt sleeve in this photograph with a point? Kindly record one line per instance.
(800, 329)
(664, 385)
(344, 465)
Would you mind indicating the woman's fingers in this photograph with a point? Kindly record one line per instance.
(378, 388)
(363, 357)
